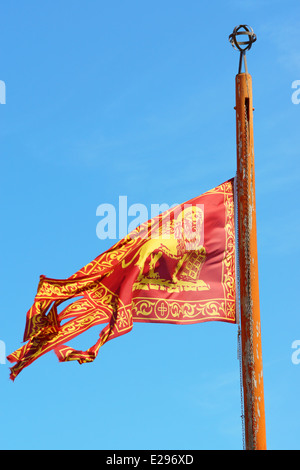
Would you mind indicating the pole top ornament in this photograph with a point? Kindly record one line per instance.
(242, 45)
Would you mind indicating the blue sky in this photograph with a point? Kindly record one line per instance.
(132, 98)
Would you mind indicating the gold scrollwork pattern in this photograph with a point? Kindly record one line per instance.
(179, 311)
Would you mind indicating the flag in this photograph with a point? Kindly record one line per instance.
(178, 267)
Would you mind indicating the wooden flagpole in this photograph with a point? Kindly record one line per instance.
(252, 367)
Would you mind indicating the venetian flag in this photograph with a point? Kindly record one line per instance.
(178, 267)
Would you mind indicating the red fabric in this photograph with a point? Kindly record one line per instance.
(176, 268)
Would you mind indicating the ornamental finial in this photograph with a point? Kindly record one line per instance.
(244, 45)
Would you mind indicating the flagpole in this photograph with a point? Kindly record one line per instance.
(250, 327)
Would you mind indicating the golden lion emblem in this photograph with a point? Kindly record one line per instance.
(180, 240)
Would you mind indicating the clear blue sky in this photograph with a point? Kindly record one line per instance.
(136, 98)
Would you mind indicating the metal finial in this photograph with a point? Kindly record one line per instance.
(242, 46)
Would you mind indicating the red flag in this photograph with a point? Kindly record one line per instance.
(178, 267)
